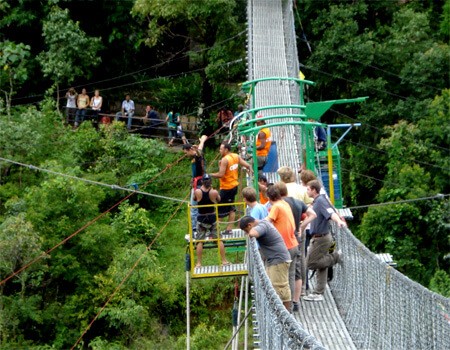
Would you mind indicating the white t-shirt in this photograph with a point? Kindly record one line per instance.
(71, 101)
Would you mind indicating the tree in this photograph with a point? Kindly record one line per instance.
(13, 70)
(417, 166)
(70, 52)
(203, 30)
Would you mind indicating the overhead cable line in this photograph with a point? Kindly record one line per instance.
(15, 273)
(130, 271)
(376, 128)
(144, 69)
(413, 160)
(355, 82)
(438, 196)
(92, 182)
(390, 73)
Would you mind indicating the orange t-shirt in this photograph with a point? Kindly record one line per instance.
(265, 151)
(230, 179)
(283, 220)
(262, 199)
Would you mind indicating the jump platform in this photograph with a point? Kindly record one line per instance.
(234, 242)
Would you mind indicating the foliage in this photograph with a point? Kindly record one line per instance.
(417, 167)
(395, 52)
(203, 30)
(440, 283)
(70, 51)
(13, 69)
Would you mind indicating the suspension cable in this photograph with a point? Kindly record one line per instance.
(15, 273)
(129, 273)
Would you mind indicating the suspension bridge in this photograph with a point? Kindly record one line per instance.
(368, 304)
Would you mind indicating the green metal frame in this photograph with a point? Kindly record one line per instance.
(309, 111)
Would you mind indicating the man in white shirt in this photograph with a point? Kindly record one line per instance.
(127, 110)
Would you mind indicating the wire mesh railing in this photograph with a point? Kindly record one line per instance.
(278, 328)
(384, 309)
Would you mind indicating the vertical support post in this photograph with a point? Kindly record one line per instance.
(188, 305)
(330, 166)
(246, 310)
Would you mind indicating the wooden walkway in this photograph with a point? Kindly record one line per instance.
(322, 320)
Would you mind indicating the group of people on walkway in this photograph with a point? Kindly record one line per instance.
(299, 214)
(291, 227)
(78, 104)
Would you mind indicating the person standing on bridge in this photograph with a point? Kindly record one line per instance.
(206, 219)
(256, 210)
(280, 215)
(299, 209)
(228, 175)
(319, 258)
(263, 142)
(198, 169)
(277, 258)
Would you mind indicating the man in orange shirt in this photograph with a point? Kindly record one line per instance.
(228, 175)
(280, 215)
(263, 142)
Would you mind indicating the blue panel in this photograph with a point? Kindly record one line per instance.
(272, 159)
(326, 183)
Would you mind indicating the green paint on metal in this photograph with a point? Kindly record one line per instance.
(315, 110)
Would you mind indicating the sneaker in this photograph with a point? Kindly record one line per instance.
(295, 306)
(313, 297)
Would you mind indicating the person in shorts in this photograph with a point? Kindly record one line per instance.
(228, 175)
(206, 218)
(277, 257)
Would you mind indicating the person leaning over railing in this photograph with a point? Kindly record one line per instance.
(280, 215)
(299, 209)
(277, 258)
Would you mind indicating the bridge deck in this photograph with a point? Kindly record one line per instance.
(322, 320)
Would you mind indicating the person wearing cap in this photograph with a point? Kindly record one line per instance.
(228, 175)
(195, 152)
(263, 142)
(277, 259)
(206, 219)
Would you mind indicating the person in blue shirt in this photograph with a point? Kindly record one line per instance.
(256, 210)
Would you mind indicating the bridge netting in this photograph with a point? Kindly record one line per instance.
(381, 308)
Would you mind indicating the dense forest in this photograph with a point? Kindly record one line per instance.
(85, 262)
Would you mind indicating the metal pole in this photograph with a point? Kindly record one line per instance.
(246, 309)
(330, 166)
(188, 306)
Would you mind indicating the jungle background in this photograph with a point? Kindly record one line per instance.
(176, 54)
